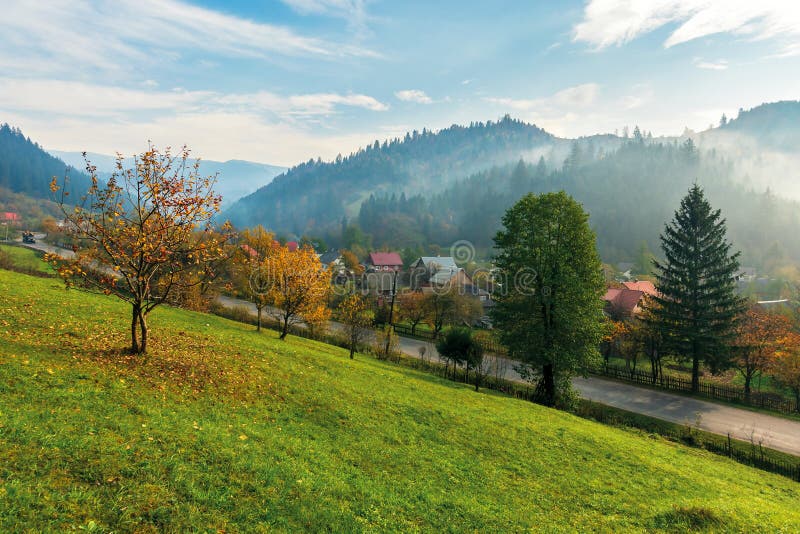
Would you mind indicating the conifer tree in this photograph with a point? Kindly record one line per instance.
(697, 306)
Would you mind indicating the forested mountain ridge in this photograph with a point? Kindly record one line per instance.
(26, 168)
(314, 196)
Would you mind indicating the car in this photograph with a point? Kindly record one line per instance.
(27, 237)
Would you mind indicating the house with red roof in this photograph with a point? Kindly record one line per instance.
(9, 217)
(385, 261)
(622, 302)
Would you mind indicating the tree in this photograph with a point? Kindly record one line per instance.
(148, 233)
(549, 313)
(351, 263)
(697, 302)
(251, 260)
(647, 335)
(297, 286)
(786, 367)
(354, 314)
(447, 306)
(412, 308)
(757, 341)
(458, 346)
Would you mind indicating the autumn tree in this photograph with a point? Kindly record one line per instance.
(351, 263)
(297, 286)
(354, 315)
(758, 336)
(147, 233)
(458, 346)
(550, 313)
(646, 333)
(697, 302)
(447, 306)
(251, 267)
(412, 308)
(786, 366)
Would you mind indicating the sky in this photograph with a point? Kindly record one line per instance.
(287, 80)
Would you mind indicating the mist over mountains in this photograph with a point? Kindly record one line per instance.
(455, 184)
(235, 178)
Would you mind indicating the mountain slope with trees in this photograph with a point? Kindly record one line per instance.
(315, 196)
(27, 169)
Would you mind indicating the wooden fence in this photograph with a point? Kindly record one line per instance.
(707, 389)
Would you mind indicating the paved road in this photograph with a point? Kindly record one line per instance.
(775, 432)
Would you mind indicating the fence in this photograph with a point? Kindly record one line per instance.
(707, 389)
(489, 345)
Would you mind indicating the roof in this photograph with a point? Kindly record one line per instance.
(444, 263)
(329, 257)
(291, 245)
(250, 250)
(644, 286)
(11, 216)
(385, 258)
(623, 299)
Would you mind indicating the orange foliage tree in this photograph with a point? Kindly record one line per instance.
(251, 267)
(147, 233)
(297, 285)
(758, 335)
(413, 308)
(786, 366)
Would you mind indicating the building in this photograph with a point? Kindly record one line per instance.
(622, 303)
(645, 286)
(384, 261)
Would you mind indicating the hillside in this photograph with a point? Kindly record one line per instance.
(314, 196)
(27, 169)
(223, 429)
(236, 178)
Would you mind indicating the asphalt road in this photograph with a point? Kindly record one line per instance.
(773, 432)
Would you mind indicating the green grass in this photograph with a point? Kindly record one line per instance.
(225, 429)
(25, 258)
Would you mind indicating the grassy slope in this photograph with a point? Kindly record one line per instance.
(295, 436)
(26, 258)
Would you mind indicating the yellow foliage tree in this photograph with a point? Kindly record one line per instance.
(354, 314)
(297, 286)
(251, 267)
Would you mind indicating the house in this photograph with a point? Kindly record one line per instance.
(9, 217)
(385, 261)
(292, 245)
(625, 268)
(435, 271)
(622, 302)
(746, 274)
(331, 257)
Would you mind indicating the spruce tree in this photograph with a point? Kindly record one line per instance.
(697, 306)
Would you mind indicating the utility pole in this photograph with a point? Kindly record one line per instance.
(389, 331)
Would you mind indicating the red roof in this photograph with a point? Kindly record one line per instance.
(250, 250)
(391, 259)
(623, 299)
(11, 216)
(642, 285)
(291, 245)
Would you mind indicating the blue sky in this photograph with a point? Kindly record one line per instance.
(282, 81)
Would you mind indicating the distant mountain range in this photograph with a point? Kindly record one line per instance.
(236, 178)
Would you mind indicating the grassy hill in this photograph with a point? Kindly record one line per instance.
(223, 429)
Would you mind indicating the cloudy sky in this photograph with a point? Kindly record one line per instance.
(282, 81)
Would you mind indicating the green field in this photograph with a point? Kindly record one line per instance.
(223, 429)
(25, 258)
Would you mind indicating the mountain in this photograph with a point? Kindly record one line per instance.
(236, 178)
(313, 197)
(27, 169)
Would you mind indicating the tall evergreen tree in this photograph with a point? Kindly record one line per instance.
(549, 313)
(697, 306)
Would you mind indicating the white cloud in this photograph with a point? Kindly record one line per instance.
(616, 22)
(579, 96)
(413, 95)
(711, 65)
(66, 35)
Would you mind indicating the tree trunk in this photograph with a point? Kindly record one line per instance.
(134, 322)
(549, 383)
(352, 346)
(285, 328)
(695, 374)
(143, 332)
(747, 379)
(258, 325)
